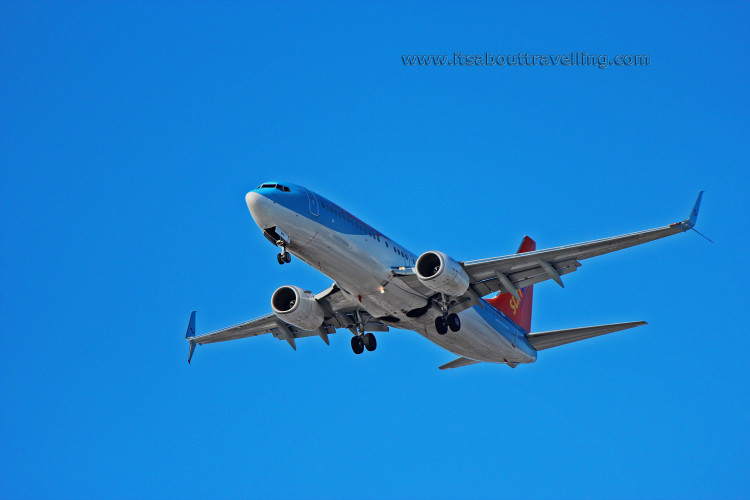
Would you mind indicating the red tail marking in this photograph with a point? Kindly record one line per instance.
(517, 310)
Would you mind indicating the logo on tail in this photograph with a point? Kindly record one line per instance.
(515, 303)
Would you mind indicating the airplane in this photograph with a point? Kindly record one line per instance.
(379, 284)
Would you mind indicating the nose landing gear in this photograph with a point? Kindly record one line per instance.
(284, 257)
(279, 238)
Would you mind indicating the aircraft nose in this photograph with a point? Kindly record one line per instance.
(256, 203)
(251, 198)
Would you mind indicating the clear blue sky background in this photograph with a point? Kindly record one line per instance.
(131, 132)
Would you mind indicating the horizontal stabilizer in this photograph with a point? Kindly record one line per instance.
(545, 340)
(458, 363)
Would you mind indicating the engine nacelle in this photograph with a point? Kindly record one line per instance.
(438, 272)
(298, 307)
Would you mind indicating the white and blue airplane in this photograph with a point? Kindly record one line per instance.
(378, 284)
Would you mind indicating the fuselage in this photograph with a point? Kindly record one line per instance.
(362, 261)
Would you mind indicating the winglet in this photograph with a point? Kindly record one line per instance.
(190, 334)
(191, 327)
(689, 223)
(694, 214)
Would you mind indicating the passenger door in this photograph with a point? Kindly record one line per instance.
(314, 207)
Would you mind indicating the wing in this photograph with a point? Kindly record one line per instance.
(512, 272)
(341, 311)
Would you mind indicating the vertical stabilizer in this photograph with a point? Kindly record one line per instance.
(517, 308)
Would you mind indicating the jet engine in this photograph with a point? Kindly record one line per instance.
(438, 272)
(298, 307)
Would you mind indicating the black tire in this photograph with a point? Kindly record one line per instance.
(287, 257)
(441, 325)
(369, 341)
(357, 345)
(454, 322)
(280, 259)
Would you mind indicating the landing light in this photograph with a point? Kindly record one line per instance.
(382, 290)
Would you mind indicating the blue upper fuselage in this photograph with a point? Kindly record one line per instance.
(323, 211)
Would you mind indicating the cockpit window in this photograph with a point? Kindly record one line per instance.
(277, 186)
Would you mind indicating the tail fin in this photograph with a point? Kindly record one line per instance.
(517, 309)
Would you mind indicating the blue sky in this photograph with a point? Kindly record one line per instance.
(131, 132)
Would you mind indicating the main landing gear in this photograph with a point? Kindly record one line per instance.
(362, 342)
(446, 320)
(452, 321)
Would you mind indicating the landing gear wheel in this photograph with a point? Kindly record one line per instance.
(454, 322)
(287, 257)
(441, 325)
(358, 345)
(369, 341)
(284, 258)
(280, 259)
